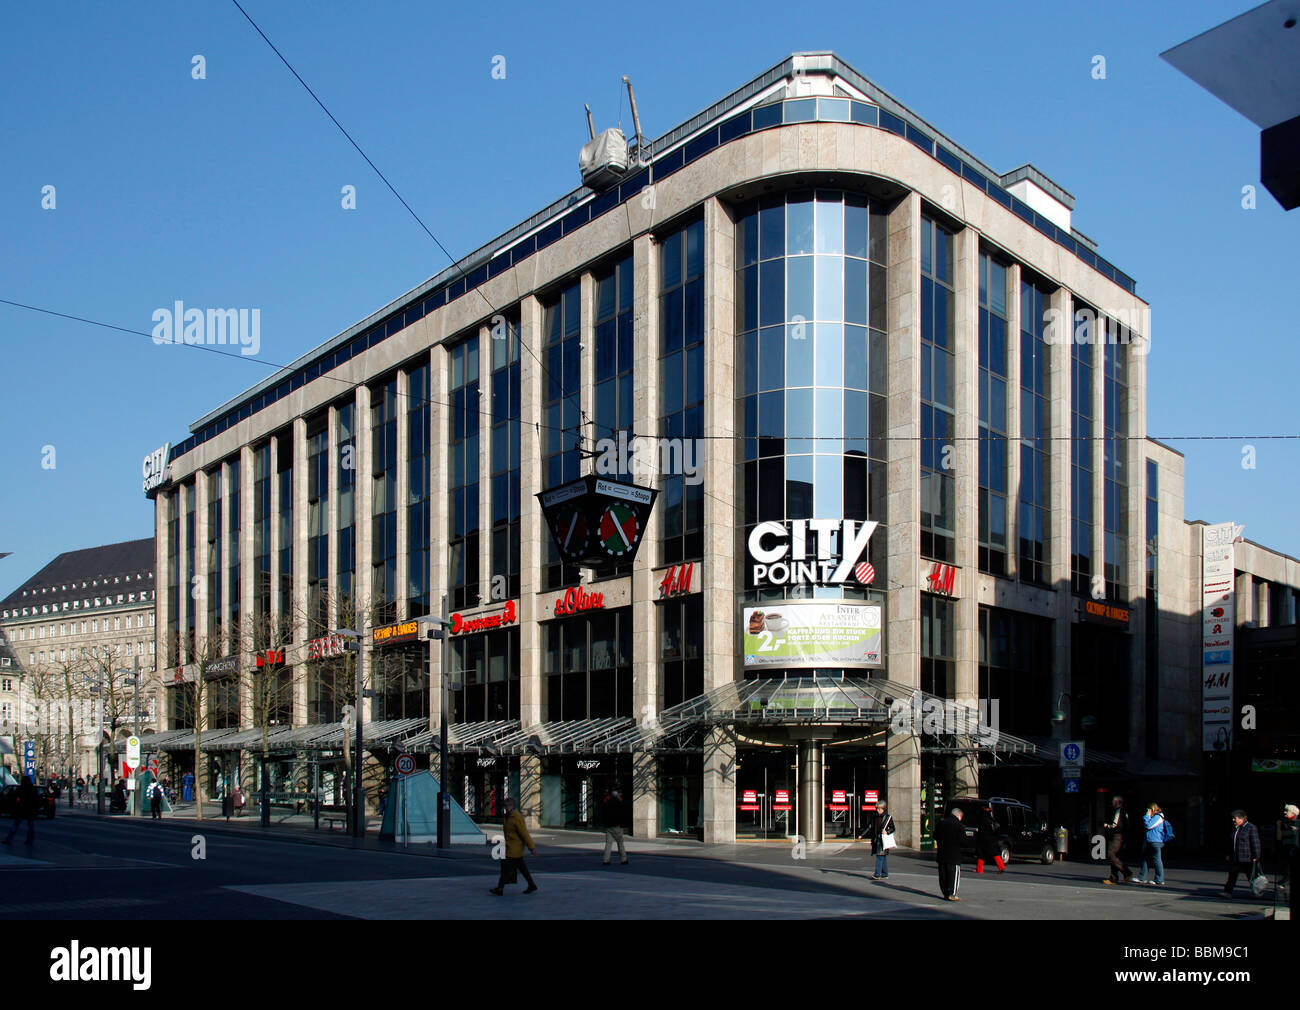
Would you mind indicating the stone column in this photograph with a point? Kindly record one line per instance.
(532, 532)
(719, 799)
(966, 478)
(645, 419)
(811, 795)
(298, 605)
(903, 469)
(1061, 508)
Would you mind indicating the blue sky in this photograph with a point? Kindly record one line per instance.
(226, 192)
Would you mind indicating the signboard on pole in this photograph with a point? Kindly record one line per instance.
(29, 759)
(1218, 613)
(1071, 754)
(595, 521)
(133, 752)
(405, 764)
(814, 635)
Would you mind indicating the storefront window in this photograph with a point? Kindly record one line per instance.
(588, 666)
(681, 636)
(486, 668)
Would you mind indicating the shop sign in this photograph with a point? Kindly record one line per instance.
(589, 764)
(820, 552)
(676, 580)
(392, 634)
(271, 657)
(839, 800)
(576, 600)
(936, 577)
(749, 800)
(218, 669)
(1101, 612)
(814, 635)
(487, 762)
(870, 798)
(596, 521)
(155, 469)
(326, 647)
(1218, 612)
(781, 800)
(461, 625)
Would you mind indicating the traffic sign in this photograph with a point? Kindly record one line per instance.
(1071, 785)
(1071, 753)
(405, 764)
(29, 759)
(1071, 773)
(133, 752)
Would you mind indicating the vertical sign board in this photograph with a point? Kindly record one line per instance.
(29, 759)
(1218, 613)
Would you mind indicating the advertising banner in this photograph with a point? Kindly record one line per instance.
(813, 635)
(1218, 585)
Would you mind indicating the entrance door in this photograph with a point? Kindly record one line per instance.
(849, 773)
(766, 792)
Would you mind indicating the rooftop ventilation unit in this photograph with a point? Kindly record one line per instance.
(603, 159)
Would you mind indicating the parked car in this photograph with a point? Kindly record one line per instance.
(1021, 832)
(45, 804)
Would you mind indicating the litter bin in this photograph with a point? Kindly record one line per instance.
(227, 806)
(1062, 841)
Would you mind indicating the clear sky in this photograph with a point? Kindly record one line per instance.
(225, 192)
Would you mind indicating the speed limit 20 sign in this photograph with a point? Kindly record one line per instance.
(405, 764)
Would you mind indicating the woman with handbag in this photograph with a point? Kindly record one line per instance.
(882, 840)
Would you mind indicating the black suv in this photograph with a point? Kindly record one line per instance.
(1021, 832)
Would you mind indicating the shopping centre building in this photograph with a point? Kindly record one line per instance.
(897, 411)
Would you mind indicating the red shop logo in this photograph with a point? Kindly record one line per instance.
(576, 600)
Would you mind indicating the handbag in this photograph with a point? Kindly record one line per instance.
(887, 841)
(1258, 882)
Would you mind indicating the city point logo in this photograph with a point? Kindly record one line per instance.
(216, 327)
(668, 456)
(838, 544)
(935, 716)
(1130, 327)
(102, 964)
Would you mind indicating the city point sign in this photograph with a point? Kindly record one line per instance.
(806, 552)
(155, 468)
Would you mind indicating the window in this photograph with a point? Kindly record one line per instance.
(681, 634)
(1081, 442)
(261, 542)
(464, 518)
(562, 379)
(486, 668)
(215, 542)
(346, 483)
(418, 436)
(1115, 453)
(1016, 658)
(938, 418)
(284, 474)
(318, 496)
(505, 460)
(938, 658)
(681, 384)
(993, 417)
(1033, 525)
(383, 521)
(588, 666)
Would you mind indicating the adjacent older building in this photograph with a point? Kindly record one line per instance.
(904, 546)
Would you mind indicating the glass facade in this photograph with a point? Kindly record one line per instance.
(1016, 656)
(938, 402)
(588, 666)
(810, 320)
(192, 589)
(505, 464)
(1035, 443)
(561, 410)
(347, 492)
(993, 417)
(938, 652)
(1115, 450)
(485, 677)
(681, 641)
(383, 501)
(681, 386)
(318, 519)
(215, 536)
(172, 551)
(284, 466)
(261, 545)
(463, 528)
(1081, 443)
(419, 432)
(234, 527)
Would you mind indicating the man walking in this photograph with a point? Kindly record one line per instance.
(1117, 826)
(948, 839)
(1288, 841)
(1245, 851)
(517, 837)
(155, 800)
(24, 808)
(614, 816)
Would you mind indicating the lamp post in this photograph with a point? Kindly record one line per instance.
(358, 792)
(440, 633)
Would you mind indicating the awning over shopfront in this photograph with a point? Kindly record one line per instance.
(463, 736)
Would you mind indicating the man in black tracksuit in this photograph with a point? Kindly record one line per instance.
(948, 840)
(1117, 826)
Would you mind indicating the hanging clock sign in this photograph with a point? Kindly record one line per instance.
(597, 522)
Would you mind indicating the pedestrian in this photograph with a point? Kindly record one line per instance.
(1245, 851)
(1288, 843)
(1117, 827)
(614, 815)
(155, 800)
(1157, 828)
(988, 845)
(881, 825)
(24, 809)
(949, 838)
(237, 798)
(383, 801)
(517, 837)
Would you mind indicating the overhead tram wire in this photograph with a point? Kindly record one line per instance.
(393, 189)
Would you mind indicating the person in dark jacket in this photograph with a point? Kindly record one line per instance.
(987, 843)
(1245, 850)
(24, 809)
(516, 837)
(1288, 843)
(948, 839)
(1117, 827)
(155, 800)
(881, 824)
(615, 816)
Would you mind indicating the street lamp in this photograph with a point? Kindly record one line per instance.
(359, 796)
(437, 631)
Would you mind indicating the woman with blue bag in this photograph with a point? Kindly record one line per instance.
(1158, 832)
